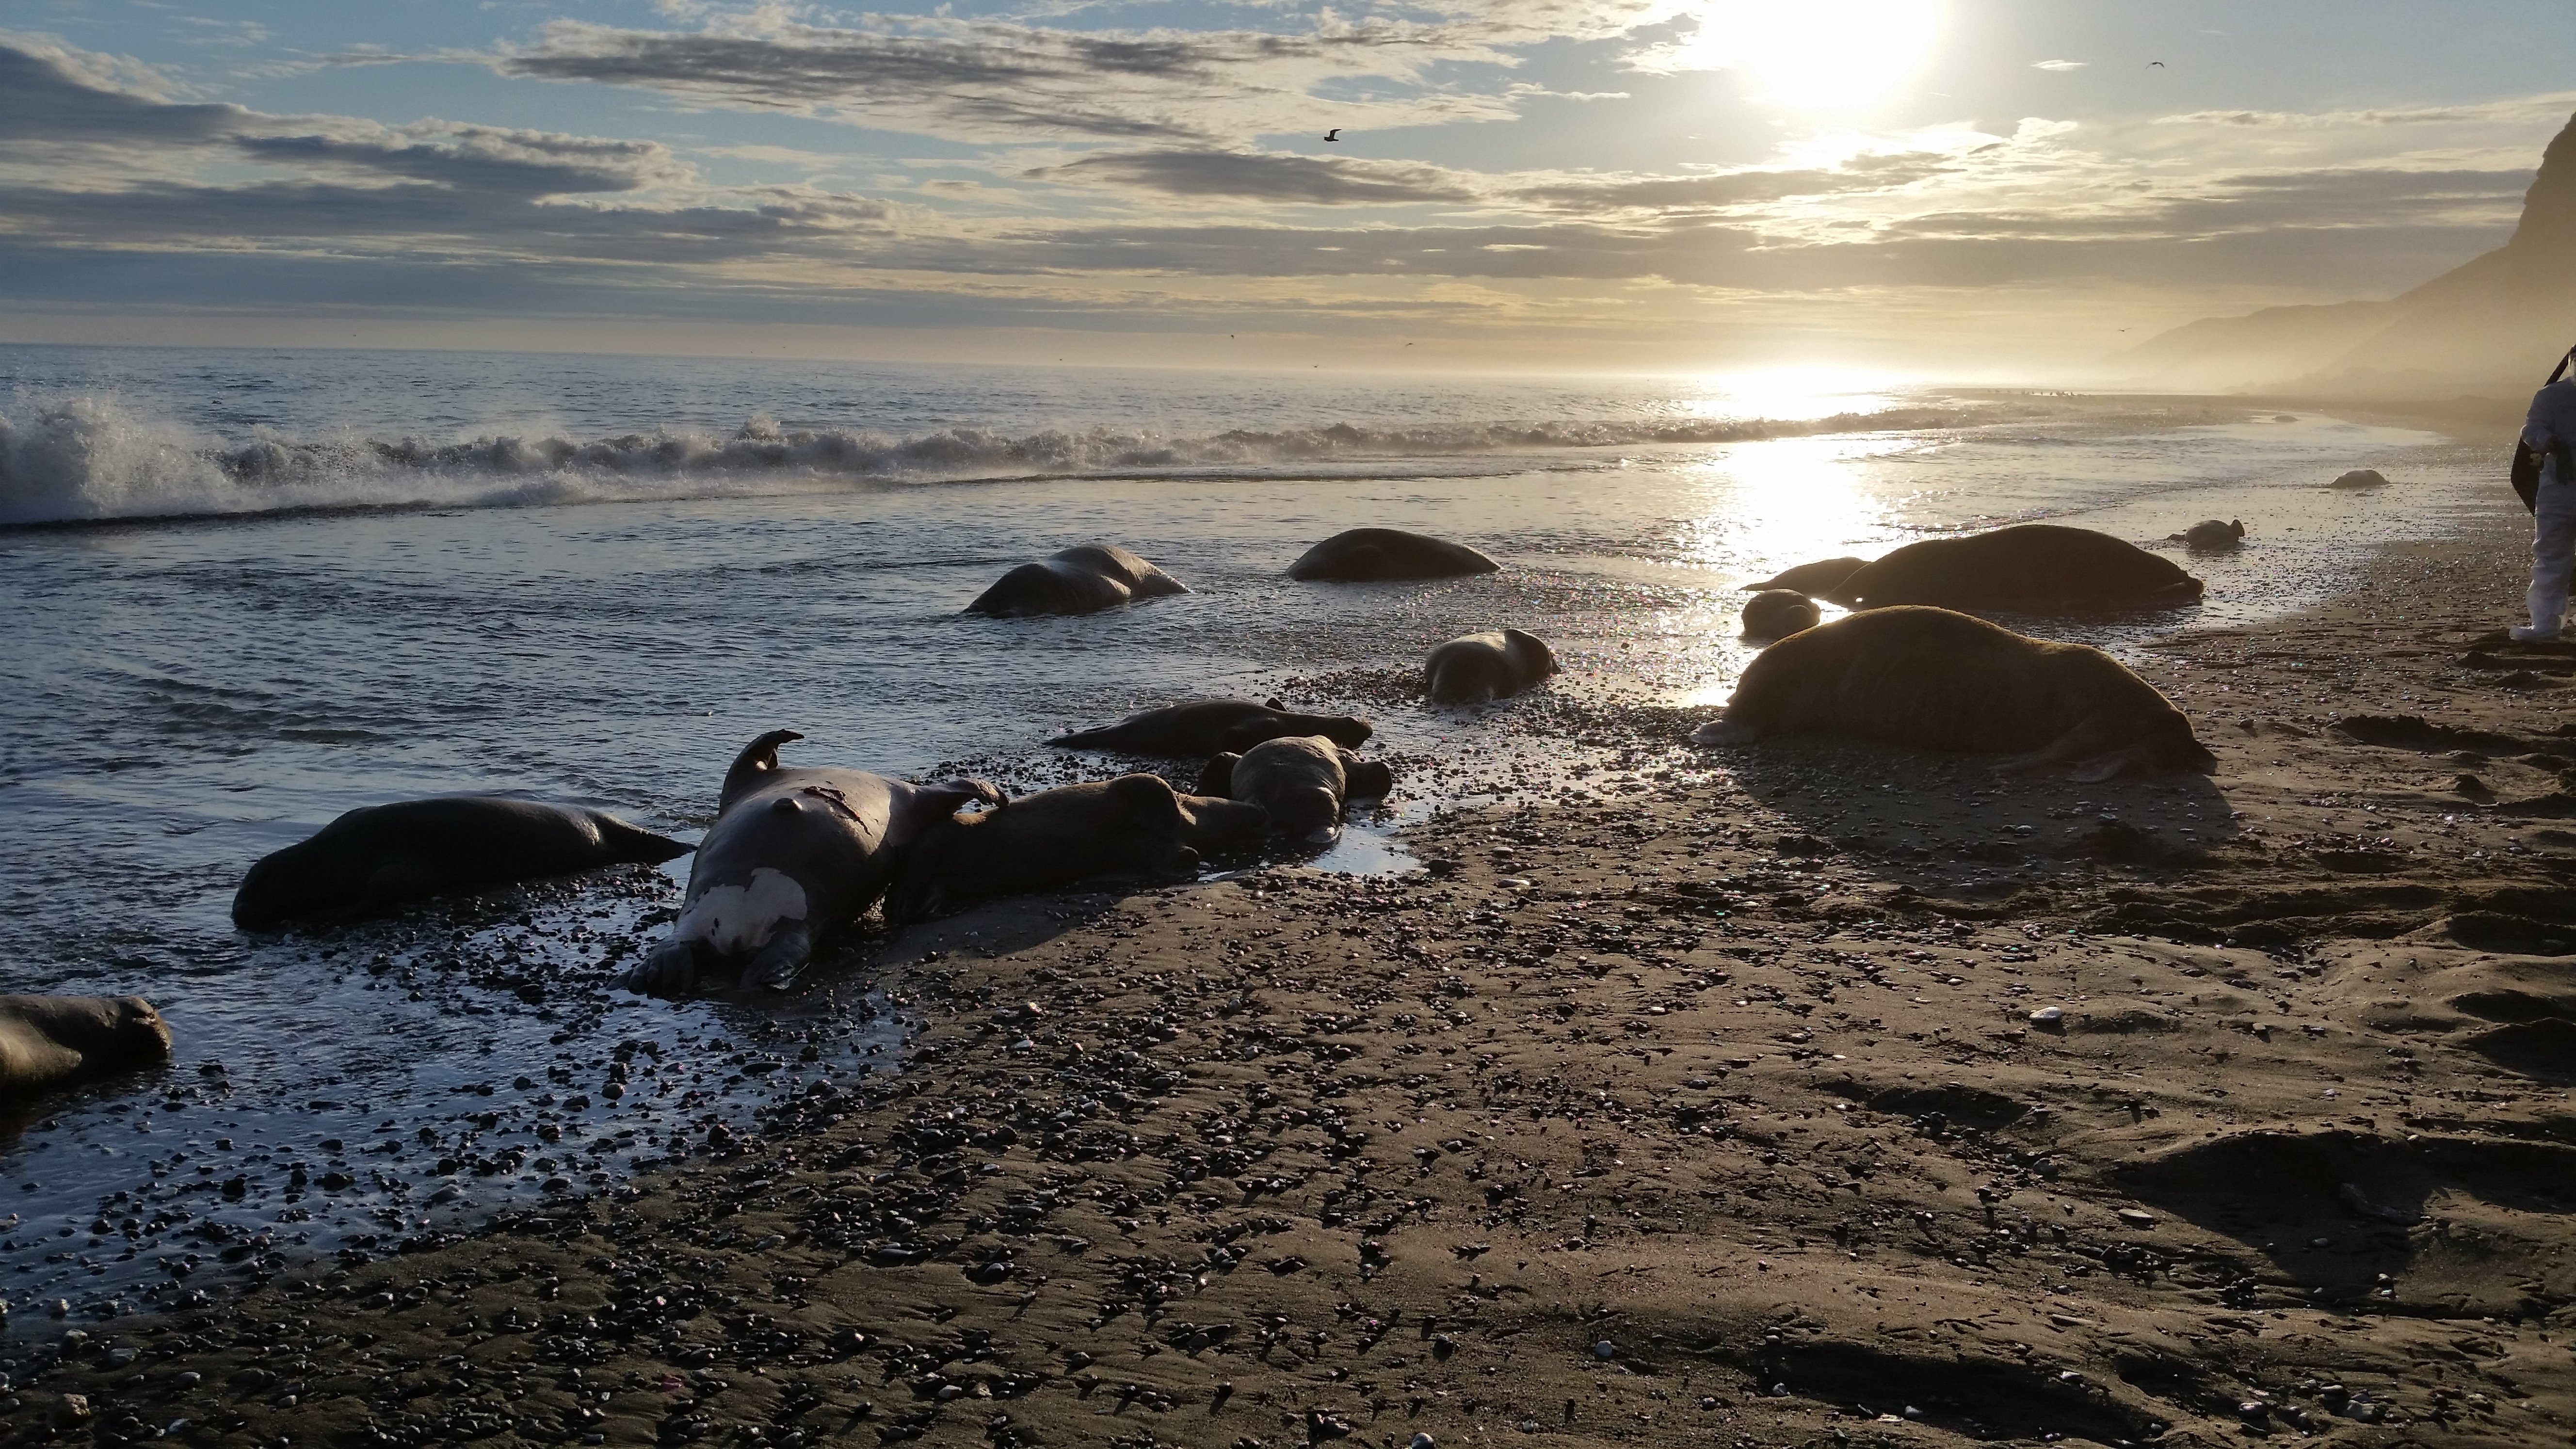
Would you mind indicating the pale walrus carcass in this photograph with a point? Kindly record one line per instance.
(1476, 668)
(1082, 580)
(1133, 827)
(1378, 555)
(381, 855)
(51, 1042)
(1303, 781)
(2210, 535)
(1942, 680)
(2029, 566)
(1210, 726)
(793, 855)
(1775, 614)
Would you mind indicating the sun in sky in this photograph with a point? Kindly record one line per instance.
(1822, 55)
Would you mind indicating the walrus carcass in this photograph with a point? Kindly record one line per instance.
(48, 1043)
(1775, 614)
(1930, 677)
(1382, 555)
(1211, 726)
(378, 856)
(1482, 668)
(794, 855)
(1082, 580)
(2034, 567)
(1134, 827)
(1820, 578)
(1302, 781)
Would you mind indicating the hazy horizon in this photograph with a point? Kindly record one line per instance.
(1964, 191)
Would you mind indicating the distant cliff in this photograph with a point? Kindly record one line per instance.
(2493, 324)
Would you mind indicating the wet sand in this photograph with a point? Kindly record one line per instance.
(1821, 1095)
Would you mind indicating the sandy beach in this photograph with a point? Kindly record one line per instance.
(1820, 1095)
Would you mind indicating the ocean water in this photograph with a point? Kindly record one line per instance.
(248, 590)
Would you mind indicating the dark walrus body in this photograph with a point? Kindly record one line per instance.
(1081, 580)
(793, 856)
(1377, 555)
(51, 1042)
(382, 855)
(2211, 535)
(1476, 668)
(2030, 566)
(1819, 579)
(1302, 781)
(1211, 726)
(1135, 826)
(1947, 681)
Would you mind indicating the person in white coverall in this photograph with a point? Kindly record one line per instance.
(2551, 432)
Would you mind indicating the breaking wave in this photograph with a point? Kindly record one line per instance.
(89, 459)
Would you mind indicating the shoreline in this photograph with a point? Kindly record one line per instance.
(1737, 1077)
(454, 990)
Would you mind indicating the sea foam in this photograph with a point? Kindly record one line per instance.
(89, 458)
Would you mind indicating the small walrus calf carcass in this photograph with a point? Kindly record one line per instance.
(1775, 614)
(1212, 726)
(1479, 668)
(51, 1042)
(2210, 535)
(1946, 681)
(793, 856)
(1136, 827)
(1081, 580)
(1302, 781)
(1380, 555)
(381, 855)
(2033, 567)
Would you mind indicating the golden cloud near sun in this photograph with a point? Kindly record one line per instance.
(1821, 55)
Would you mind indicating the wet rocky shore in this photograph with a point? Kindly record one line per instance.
(1815, 1097)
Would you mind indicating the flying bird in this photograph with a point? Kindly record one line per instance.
(1334, 134)
(2157, 65)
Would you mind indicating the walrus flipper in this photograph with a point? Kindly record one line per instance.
(1218, 777)
(965, 790)
(1367, 779)
(931, 804)
(775, 966)
(1723, 732)
(2088, 752)
(757, 759)
(403, 878)
(635, 845)
(671, 970)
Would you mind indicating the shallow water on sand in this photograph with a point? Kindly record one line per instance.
(182, 695)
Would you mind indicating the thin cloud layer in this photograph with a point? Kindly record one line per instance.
(1122, 179)
(990, 81)
(442, 189)
(1300, 180)
(1293, 180)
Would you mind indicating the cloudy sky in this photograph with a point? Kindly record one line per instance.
(1932, 185)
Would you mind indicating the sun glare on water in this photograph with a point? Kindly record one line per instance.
(1821, 55)
(1792, 394)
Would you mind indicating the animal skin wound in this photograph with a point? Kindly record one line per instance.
(735, 919)
(832, 797)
